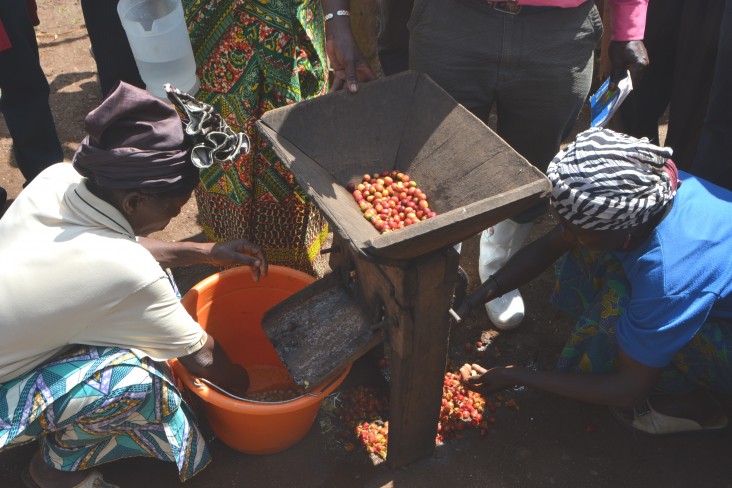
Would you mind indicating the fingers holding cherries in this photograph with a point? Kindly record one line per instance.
(470, 373)
(391, 200)
(477, 378)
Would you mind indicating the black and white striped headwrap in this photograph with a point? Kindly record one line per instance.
(605, 180)
(213, 140)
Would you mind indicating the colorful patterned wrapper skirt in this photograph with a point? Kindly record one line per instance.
(94, 405)
(592, 287)
(254, 56)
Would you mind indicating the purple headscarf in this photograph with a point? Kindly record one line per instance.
(136, 141)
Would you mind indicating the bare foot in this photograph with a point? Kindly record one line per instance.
(47, 477)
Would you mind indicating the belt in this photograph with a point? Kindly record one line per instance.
(514, 8)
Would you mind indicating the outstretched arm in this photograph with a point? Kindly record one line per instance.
(238, 252)
(212, 362)
(632, 382)
(523, 267)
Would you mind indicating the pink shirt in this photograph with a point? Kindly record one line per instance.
(628, 16)
(4, 40)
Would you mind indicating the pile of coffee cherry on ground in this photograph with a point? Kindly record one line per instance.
(390, 200)
(363, 409)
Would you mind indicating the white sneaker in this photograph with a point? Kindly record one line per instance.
(506, 312)
(497, 245)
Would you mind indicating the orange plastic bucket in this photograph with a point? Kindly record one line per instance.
(230, 305)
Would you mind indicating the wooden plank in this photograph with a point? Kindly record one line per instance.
(418, 359)
(418, 296)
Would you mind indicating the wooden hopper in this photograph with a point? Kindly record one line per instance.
(472, 177)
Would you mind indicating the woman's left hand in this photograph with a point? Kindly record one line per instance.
(240, 252)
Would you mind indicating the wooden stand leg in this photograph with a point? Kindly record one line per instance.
(419, 353)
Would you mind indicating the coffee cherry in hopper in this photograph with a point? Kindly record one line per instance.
(391, 200)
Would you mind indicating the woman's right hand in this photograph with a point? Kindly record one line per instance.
(240, 252)
(486, 381)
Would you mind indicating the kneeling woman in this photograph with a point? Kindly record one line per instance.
(642, 260)
(88, 316)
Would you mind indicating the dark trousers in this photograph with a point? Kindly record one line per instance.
(25, 91)
(534, 68)
(112, 52)
(681, 37)
(393, 39)
(714, 154)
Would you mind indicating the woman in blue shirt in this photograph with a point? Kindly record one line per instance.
(643, 263)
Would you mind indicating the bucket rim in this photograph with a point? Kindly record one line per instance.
(212, 397)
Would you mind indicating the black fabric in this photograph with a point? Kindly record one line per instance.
(682, 40)
(24, 101)
(393, 39)
(714, 155)
(111, 49)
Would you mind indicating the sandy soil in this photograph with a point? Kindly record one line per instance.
(548, 441)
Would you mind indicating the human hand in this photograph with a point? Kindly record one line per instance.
(466, 307)
(483, 294)
(237, 381)
(477, 378)
(627, 56)
(240, 252)
(348, 63)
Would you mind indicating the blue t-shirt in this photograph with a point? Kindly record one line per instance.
(680, 276)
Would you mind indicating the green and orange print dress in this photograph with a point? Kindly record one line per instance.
(253, 56)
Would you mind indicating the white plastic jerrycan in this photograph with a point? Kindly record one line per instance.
(159, 40)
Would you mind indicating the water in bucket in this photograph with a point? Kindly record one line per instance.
(158, 36)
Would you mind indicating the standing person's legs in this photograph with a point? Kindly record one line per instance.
(256, 197)
(546, 73)
(696, 54)
(538, 67)
(111, 49)
(464, 65)
(25, 90)
(641, 110)
(713, 161)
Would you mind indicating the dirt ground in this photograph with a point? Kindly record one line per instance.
(548, 441)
